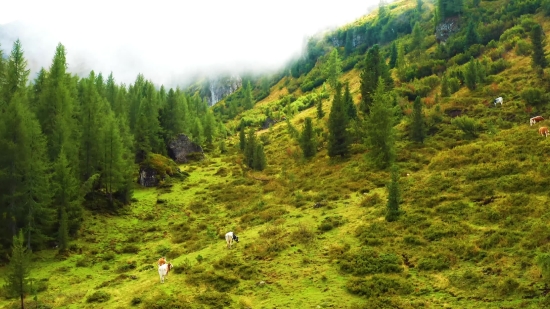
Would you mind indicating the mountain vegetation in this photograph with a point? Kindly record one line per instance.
(374, 171)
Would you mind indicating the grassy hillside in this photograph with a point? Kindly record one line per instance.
(474, 231)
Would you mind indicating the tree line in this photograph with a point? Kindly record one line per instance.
(67, 141)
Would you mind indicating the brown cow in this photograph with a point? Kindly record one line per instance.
(544, 131)
(535, 119)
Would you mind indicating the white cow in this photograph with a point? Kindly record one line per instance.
(498, 100)
(229, 237)
(163, 271)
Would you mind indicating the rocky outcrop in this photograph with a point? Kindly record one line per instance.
(181, 149)
(148, 177)
(222, 87)
(446, 28)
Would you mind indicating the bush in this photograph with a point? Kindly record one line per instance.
(98, 297)
(434, 262)
(469, 126)
(214, 299)
(378, 285)
(130, 249)
(329, 223)
(368, 261)
(127, 266)
(523, 48)
(498, 66)
(533, 96)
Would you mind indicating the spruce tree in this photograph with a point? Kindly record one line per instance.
(379, 127)
(16, 73)
(338, 136)
(392, 207)
(242, 139)
(418, 124)
(319, 105)
(471, 76)
(307, 139)
(259, 161)
(63, 232)
(333, 68)
(66, 194)
(209, 128)
(417, 37)
(472, 36)
(248, 102)
(250, 148)
(537, 39)
(375, 68)
(348, 47)
(445, 87)
(393, 55)
(111, 154)
(18, 269)
(401, 64)
(349, 106)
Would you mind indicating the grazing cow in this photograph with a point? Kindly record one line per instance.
(498, 100)
(163, 271)
(229, 237)
(535, 119)
(162, 261)
(544, 131)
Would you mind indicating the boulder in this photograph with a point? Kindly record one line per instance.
(181, 149)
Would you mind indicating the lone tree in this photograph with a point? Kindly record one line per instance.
(538, 56)
(17, 272)
(338, 136)
(320, 112)
(307, 139)
(418, 125)
(392, 208)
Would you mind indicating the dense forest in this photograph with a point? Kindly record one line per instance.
(376, 169)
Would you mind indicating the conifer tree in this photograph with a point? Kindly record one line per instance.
(379, 127)
(537, 39)
(197, 132)
(349, 106)
(18, 269)
(417, 37)
(348, 47)
(307, 139)
(16, 73)
(319, 105)
(259, 160)
(63, 232)
(250, 148)
(111, 154)
(248, 102)
(392, 208)
(471, 76)
(209, 128)
(393, 55)
(472, 36)
(375, 68)
(172, 116)
(418, 124)
(66, 194)
(111, 91)
(338, 136)
(401, 64)
(333, 68)
(445, 87)
(242, 138)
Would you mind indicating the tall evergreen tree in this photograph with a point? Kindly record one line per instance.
(472, 36)
(18, 270)
(392, 207)
(242, 139)
(319, 105)
(445, 87)
(259, 159)
(348, 47)
(172, 116)
(471, 76)
(67, 196)
(401, 64)
(333, 68)
(375, 68)
(248, 102)
(537, 39)
(16, 73)
(418, 124)
(111, 154)
(349, 106)
(417, 37)
(250, 148)
(393, 55)
(209, 128)
(307, 139)
(63, 232)
(338, 136)
(379, 127)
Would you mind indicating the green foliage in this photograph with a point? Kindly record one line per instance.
(338, 138)
(18, 269)
(319, 106)
(394, 198)
(534, 96)
(375, 68)
(98, 297)
(378, 286)
(538, 56)
(418, 123)
(435, 262)
(469, 126)
(379, 127)
(333, 68)
(367, 261)
(308, 141)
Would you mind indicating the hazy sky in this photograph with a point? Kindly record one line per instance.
(166, 40)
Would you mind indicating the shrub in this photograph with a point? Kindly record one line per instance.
(98, 297)
(368, 261)
(523, 48)
(329, 223)
(469, 126)
(303, 234)
(498, 66)
(127, 266)
(372, 200)
(533, 96)
(214, 299)
(130, 249)
(434, 262)
(378, 285)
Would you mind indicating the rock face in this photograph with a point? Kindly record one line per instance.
(445, 29)
(223, 86)
(148, 177)
(182, 149)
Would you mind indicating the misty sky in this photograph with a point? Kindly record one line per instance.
(169, 40)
